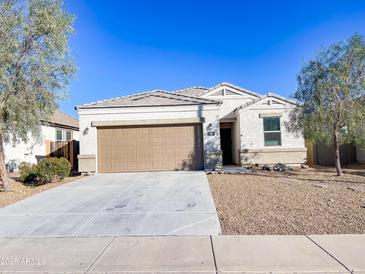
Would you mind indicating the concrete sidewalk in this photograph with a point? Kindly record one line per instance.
(185, 254)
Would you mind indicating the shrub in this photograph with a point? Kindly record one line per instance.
(53, 169)
(47, 171)
(63, 168)
(27, 172)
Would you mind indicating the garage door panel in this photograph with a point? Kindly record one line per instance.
(170, 165)
(157, 141)
(144, 165)
(144, 154)
(130, 166)
(157, 154)
(131, 141)
(182, 153)
(182, 141)
(158, 165)
(144, 142)
(131, 154)
(118, 165)
(143, 132)
(157, 131)
(169, 141)
(170, 153)
(149, 148)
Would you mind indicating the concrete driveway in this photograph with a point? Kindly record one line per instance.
(119, 204)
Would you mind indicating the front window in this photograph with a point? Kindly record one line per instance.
(68, 135)
(59, 135)
(272, 133)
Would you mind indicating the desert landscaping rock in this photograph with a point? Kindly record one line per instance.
(289, 203)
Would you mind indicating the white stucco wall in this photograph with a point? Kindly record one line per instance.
(236, 141)
(360, 154)
(30, 151)
(252, 128)
(231, 102)
(88, 133)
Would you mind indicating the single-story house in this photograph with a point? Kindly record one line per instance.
(59, 128)
(189, 129)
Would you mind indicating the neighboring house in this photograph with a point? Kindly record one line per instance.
(60, 127)
(194, 128)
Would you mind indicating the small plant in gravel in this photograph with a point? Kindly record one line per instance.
(47, 171)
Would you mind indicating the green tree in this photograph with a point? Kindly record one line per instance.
(331, 90)
(35, 67)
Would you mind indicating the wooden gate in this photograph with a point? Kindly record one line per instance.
(66, 149)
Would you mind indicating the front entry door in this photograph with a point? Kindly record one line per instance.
(226, 145)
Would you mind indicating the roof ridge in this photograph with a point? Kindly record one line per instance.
(117, 98)
(193, 97)
(188, 96)
(163, 93)
(184, 89)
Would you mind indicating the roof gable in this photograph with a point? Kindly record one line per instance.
(270, 100)
(228, 89)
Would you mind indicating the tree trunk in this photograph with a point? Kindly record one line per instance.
(3, 172)
(337, 154)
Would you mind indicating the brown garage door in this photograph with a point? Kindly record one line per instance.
(149, 148)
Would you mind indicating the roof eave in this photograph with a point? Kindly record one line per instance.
(172, 105)
(72, 127)
(277, 96)
(273, 95)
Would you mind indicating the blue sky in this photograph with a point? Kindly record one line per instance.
(123, 47)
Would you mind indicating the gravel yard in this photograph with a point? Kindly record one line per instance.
(20, 191)
(304, 201)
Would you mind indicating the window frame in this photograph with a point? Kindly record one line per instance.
(62, 135)
(272, 131)
(71, 135)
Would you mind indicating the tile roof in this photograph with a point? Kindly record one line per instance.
(187, 96)
(150, 98)
(63, 119)
(194, 91)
